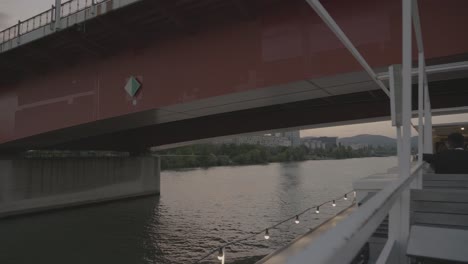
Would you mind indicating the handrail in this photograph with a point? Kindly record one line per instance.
(348, 237)
(74, 6)
(433, 69)
(46, 18)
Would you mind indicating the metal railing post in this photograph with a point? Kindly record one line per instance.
(428, 144)
(58, 11)
(52, 18)
(399, 215)
(421, 128)
(18, 33)
(423, 89)
(398, 210)
(420, 106)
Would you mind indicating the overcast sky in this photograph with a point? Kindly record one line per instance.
(377, 128)
(13, 10)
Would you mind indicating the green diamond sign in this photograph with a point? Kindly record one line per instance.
(132, 86)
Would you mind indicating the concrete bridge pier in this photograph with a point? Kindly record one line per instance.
(37, 184)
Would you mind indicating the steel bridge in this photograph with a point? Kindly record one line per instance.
(210, 68)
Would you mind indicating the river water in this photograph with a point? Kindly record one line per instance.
(198, 210)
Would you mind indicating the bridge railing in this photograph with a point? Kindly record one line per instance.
(74, 6)
(36, 22)
(8, 34)
(344, 242)
(23, 27)
(45, 18)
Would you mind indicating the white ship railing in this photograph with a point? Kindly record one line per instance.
(342, 243)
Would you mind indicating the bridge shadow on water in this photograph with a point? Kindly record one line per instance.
(117, 232)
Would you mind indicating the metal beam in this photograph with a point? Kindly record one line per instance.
(433, 69)
(401, 211)
(420, 106)
(325, 16)
(428, 146)
(417, 26)
(425, 143)
(407, 87)
(395, 95)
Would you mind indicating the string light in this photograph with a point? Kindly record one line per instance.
(221, 254)
(221, 250)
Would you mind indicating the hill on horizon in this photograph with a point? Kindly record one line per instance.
(366, 139)
(374, 140)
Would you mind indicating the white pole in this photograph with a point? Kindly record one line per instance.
(400, 209)
(406, 88)
(417, 26)
(428, 141)
(420, 106)
(433, 69)
(405, 170)
(423, 90)
(421, 129)
(58, 15)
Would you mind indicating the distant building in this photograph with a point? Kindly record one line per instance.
(320, 142)
(263, 140)
(313, 144)
(281, 139)
(294, 137)
(356, 146)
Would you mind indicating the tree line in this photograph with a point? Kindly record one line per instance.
(209, 155)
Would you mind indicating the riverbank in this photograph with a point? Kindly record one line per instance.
(210, 155)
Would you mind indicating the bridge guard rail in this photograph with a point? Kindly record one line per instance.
(46, 18)
(345, 240)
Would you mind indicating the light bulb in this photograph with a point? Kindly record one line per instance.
(297, 219)
(221, 254)
(333, 204)
(267, 234)
(318, 209)
(354, 194)
(462, 128)
(346, 197)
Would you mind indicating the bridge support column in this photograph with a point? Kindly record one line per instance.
(5, 179)
(38, 184)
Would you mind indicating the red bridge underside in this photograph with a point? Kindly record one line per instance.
(67, 90)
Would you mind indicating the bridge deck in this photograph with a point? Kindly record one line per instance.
(210, 68)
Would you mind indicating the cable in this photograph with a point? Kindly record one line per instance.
(266, 230)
